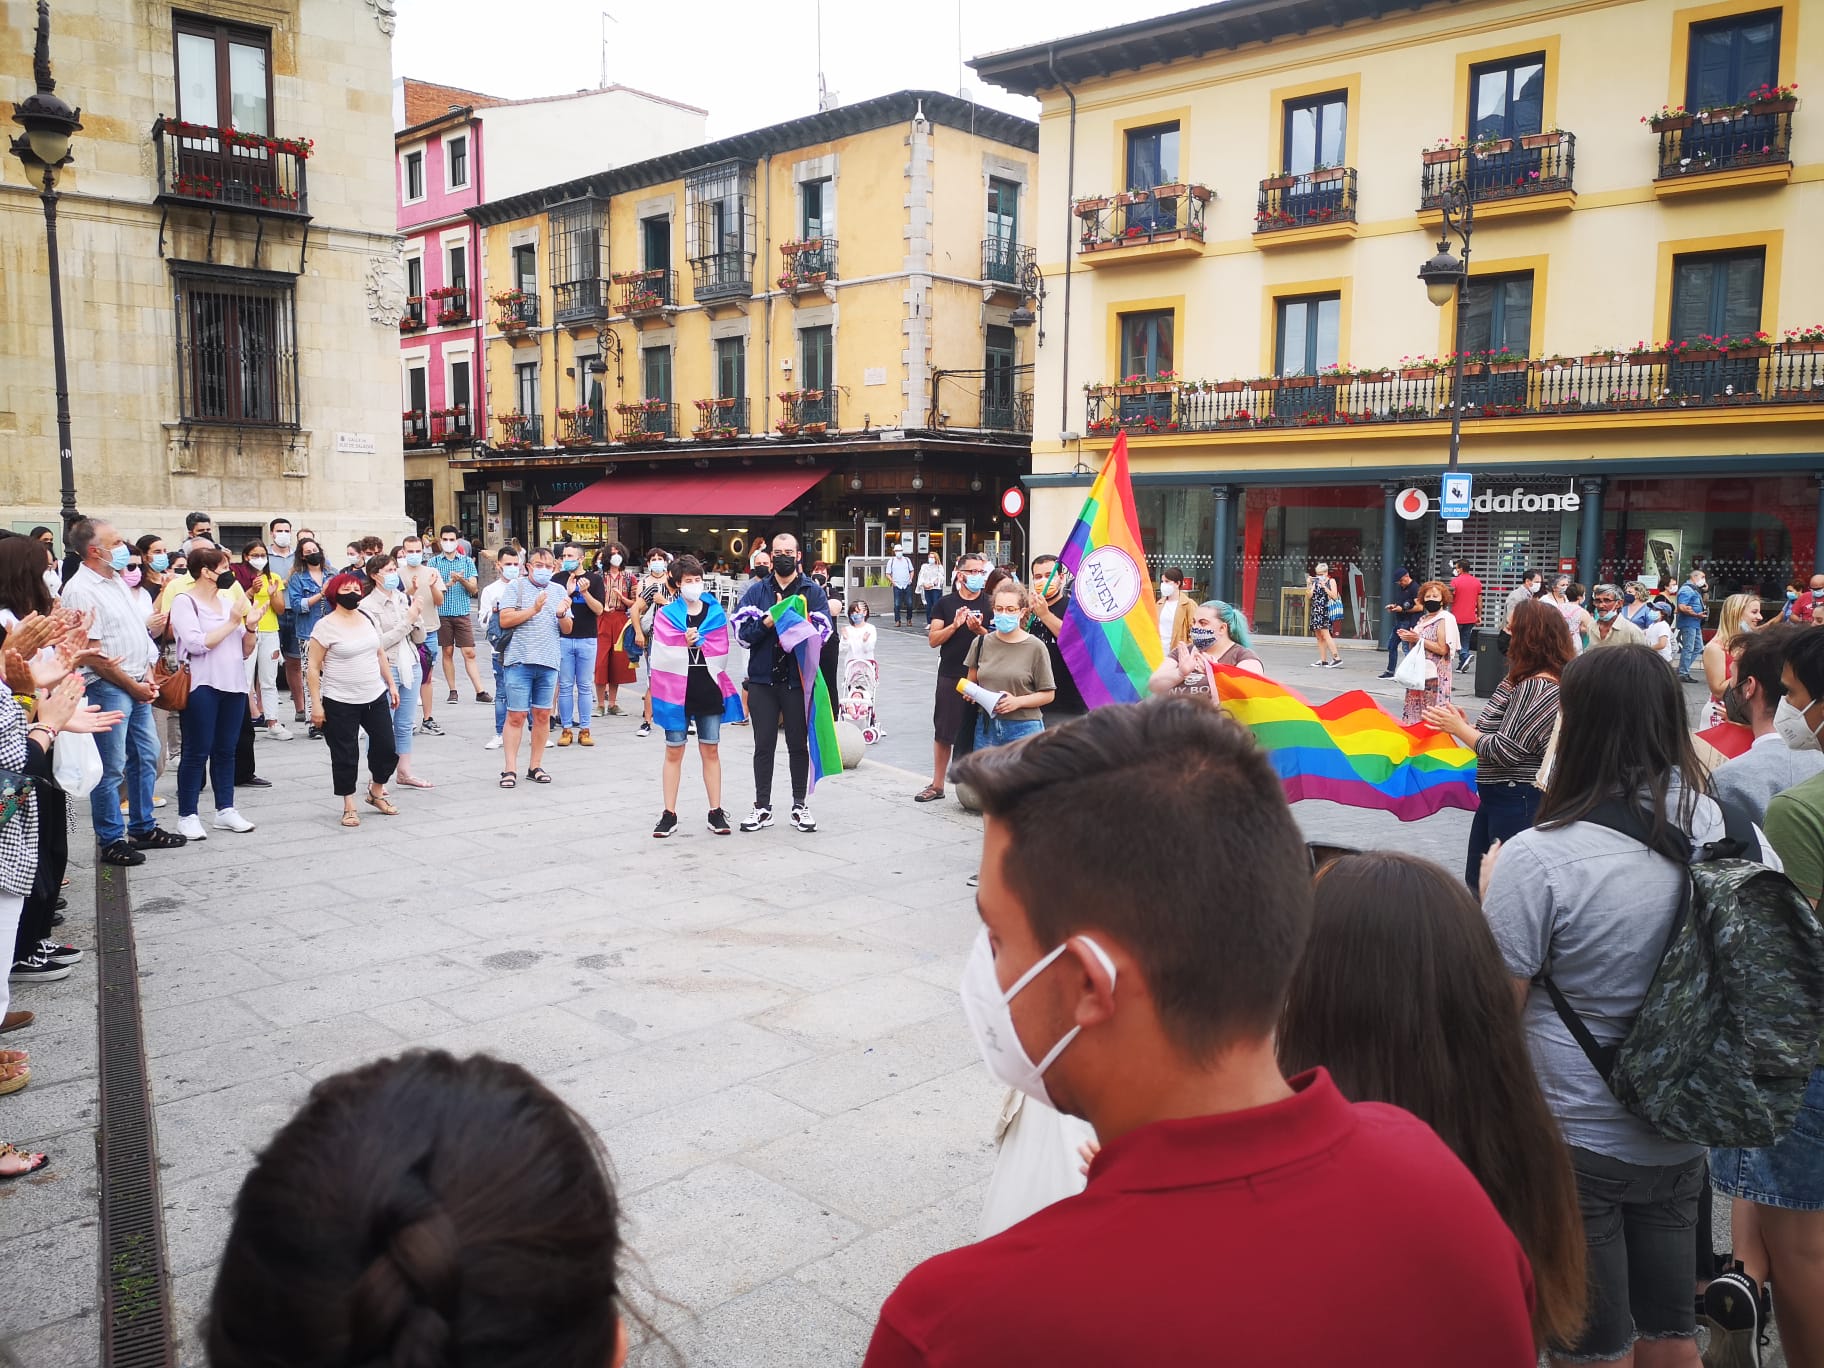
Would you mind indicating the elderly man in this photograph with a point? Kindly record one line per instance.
(1612, 628)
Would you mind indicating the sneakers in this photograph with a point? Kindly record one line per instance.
(484, 697)
(156, 839)
(191, 828)
(584, 739)
(1337, 664)
(1732, 1310)
(299, 715)
(645, 729)
(452, 698)
(614, 710)
(668, 823)
(718, 821)
(278, 731)
(37, 969)
(802, 819)
(493, 744)
(122, 853)
(58, 954)
(758, 818)
(1319, 664)
(227, 819)
(315, 733)
(431, 727)
(565, 737)
(1385, 674)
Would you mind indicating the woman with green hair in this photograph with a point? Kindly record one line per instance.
(1219, 636)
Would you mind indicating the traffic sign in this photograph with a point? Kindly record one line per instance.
(1453, 501)
(1013, 502)
(1412, 504)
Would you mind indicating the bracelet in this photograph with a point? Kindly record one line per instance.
(43, 727)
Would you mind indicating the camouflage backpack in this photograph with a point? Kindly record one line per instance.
(1730, 1029)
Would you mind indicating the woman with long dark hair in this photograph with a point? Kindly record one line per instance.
(306, 595)
(1402, 996)
(1592, 907)
(1515, 727)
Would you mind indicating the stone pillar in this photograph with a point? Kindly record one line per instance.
(1222, 539)
(1589, 531)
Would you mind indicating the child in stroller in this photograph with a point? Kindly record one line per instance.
(860, 672)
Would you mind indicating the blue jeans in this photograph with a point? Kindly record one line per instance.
(129, 751)
(709, 731)
(998, 731)
(1789, 1174)
(211, 727)
(932, 597)
(500, 695)
(902, 603)
(1690, 643)
(1503, 811)
(575, 679)
(407, 709)
(1395, 647)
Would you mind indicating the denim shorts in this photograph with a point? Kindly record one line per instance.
(1640, 1231)
(529, 686)
(1788, 1175)
(998, 731)
(709, 731)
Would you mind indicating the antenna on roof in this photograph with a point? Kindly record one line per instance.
(607, 19)
(823, 90)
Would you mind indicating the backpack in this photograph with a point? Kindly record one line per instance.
(1728, 1034)
(498, 637)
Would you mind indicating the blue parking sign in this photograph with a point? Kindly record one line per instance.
(1453, 500)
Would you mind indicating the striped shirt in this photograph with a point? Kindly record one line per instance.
(1516, 727)
(120, 625)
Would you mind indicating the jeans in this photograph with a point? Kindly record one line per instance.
(1503, 811)
(1468, 652)
(128, 752)
(500, 696)
(575, 679)
(1690, 643)
(263, 671)
(343, 724)
(902, 603)
(771, 707)
(211, 724)
(709, 731)
(932, 597)
(1789, 1174)
(998, 731)
(408, 706)
(1395, 647)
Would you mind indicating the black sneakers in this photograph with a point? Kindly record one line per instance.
(58, 954)
(38, 969)
(645, 729)
(718, 821)
(156, 839)
(1732, 1310)
(123, 853)
(668, 823)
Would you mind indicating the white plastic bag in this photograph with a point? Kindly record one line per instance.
(75, 763)
(1414, 670)
(1037, 1163)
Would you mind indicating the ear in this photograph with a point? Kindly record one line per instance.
(1094, 985)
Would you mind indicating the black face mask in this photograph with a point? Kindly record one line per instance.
(785, 565)
(314, 558)
(1432, 605)
(348, 601)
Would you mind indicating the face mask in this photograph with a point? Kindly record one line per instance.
(542, 576)
(655, 568)
(509, 573)
(314, 558)
(348, 601)
(785, 564)
(449, 548)
(991, 1023)
(569, 563)
(1203, 637)
(973, 583)
(281, 539)
(131, 577)
(1607, 615)
(1794, 730)
(614, 560)
(1168, 589)
(1433, 605)
(1006, 622)
(1700, 584)
(257, 564)
(391, 579)
(692, 592)
(414, 558)
(119, 556)
(161, 562)
(858, 618)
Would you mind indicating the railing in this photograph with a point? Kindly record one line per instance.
(450, 427)
(521, 431)
(417, 430)
(245, 172)
(808, 263)
(579, 427)
(412, 320)
(646, 292)
(723, 275)
(1646, 382)
(1507, 168)
(1005, 261)
(645, 422)
(580, 301)
(452, 302)
(1307, 200)
(806, 413)
(1136, 217)
(1007, 407)
(720, 420)
(518, 310)
(1724, 139)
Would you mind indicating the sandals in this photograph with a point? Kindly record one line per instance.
(351, 819)
(507, 780)
(415, 782)
(382, 804)
(33, 1162)
(13, 1077)
(11, 1057)
(928, 795)
(537, 775)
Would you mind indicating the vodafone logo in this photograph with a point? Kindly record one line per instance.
(1412, 504)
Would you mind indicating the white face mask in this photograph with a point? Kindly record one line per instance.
(692, 590)
(449, 548)
(1794, 730)
(281, 538)
(1168, 589)
(614, 559)
(991, 1020)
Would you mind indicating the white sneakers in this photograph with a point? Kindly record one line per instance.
(493, 744)
(227, 819)
(191, 828)
(278, 731)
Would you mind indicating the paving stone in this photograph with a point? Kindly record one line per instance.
(779, 1322)
(665, 1144)
(861, 1275)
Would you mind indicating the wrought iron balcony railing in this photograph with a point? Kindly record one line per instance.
(720, 420)
(1006, 404)
(808, 263)
(723, 275)
(412, 320)
(518, 310)
(806, 413)
(521, 431)
(580, 427)
(1500, 169)
(417, 428)
(580, 301)
(1133, 218)
(646, 422)
(451, 427)
(451, 303)
(647, 292)
(1725, 139)
(228, 169)
(1006, 262)
(1310, 199)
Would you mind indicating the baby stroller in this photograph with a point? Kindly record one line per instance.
(859, 680)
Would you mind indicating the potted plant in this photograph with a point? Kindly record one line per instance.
(1419, 367)
(1649, 353)
(814, 429)
(1807, 339)
(1505, 362)
(785, 427)
(1443, 150)
(1377, 376)
(1773, 99)
(1668, 119)
(1266, 384)
(1549, 137)
(1492, 146)
(1161, 382)
(1748, 346)
(1225, 386)
(1091, 205)
(1127, 197)
(1327, 175)
(1281, 182)
(1336, 375)
(1696, 349)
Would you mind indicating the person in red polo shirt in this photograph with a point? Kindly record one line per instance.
(1131, 967)
(1465, 607)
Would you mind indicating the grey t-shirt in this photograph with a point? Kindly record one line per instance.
(1596, 906)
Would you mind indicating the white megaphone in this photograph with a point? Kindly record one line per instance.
(985, 699)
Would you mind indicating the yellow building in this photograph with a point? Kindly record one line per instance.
(1234, 205)
(823, 325)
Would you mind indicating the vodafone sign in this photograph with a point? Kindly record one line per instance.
(1412, 504)
(1013, 502)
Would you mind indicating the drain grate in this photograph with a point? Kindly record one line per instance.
(136, 1292)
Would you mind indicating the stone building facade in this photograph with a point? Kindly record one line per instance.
(232, 280)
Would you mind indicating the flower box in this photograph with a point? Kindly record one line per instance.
(1266, 384)
(1328, 174)
(1494, 147)
(1159, 387)
(1647, 358)
(1379, 377)
(1699, 354)
(1093, 205)
(1508, 367)
(1335, 379)
(1801, 348)
(1279, 182)
(1225, 387)
(512, 324)
(1671, 123)
(1436, 156)
(1532, 142)
(1127, 197)
(1780, 106)
(1417, 372)
(1749, 353)
(1298, 382)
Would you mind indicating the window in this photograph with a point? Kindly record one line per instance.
(1003, 210)
(456, 156)
(1310, 332)
(1730, 57)
(461, 389)
(1507, 99)
(414, 175)
(1146, 349)
(1316, 133)
(420, 499)
(237, 347)
(525, 267)
(1717, 293)
(731, 368)
(224, 75)
(1152, 156)
(817, 371)
(579, 274)
(414, 277)
(655, 367)
(719, 205)
(525, 387)
(418, 401)
(1497, 314)
(655, 242)
(818, 202)
(457, 273)
(997, 379)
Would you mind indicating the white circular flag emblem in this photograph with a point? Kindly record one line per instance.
(1108, 584)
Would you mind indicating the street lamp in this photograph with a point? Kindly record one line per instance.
(43, 150)
(1445, 276)
(1031, 286)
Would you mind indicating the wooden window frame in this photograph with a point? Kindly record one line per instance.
(221, 33)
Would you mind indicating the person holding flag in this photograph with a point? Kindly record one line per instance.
(1109, 634)
(690, 683)
(783, 620)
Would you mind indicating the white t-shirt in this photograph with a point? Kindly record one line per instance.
(1168, 619)
(930, 576)
(858, 641)
(54, 582)
(1660, 638)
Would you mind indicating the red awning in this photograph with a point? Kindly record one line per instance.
(702, 494)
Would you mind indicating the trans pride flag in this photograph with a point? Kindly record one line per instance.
(1349, 751)
(670, 662)
(1110, 633)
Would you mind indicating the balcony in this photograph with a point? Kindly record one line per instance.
(720, 420)
(581, 426)
(1723, 149)
(412, 320)
(1138, 225)
(451, 303)
(722, 277)
(579, 302)
(518, 315)
(1007, 265)
(1314, 206)
(647, 294)
(1525, 175)
(417, 429)
(1657, 383)
(222, 168)
(806, 413)
(521, 431)
(809, 266)
(451, 427)
(647, 422)
(1006, 402)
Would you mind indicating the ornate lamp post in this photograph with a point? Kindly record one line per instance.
(1031, 286)
(44, 150)
(1445, 277)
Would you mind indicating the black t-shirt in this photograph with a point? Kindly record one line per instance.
(582, 616)
(1407, 597)
(702, 694)
(950, 654)
(1069, 699)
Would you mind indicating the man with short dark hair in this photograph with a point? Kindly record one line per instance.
(1466, 608)
(455, 629)
(199, 524)
(1528, 588)
(1402, 616)
(1149, 991)
(1769, 765)
(775, 689)
(1047, 600)
(955, 625)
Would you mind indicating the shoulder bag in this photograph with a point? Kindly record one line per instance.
(172, 681)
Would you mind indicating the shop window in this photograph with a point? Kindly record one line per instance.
(1497, 315)
(224, 75)
(1308, 338)
(1716, 294)
(1146, 351)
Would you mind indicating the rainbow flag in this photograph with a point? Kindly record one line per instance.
(1110, 633)
(1349, 751)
